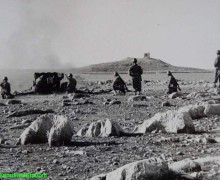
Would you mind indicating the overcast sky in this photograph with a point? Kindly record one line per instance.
(65, 33)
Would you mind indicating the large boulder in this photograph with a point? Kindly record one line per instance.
(208, 160)
(195, 111)
(212, 109)
(101, 128)
(172, 121)
(185, 166)
(56, 130)
(61, 132)
(139, 170)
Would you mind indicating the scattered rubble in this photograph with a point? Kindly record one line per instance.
(197, 118)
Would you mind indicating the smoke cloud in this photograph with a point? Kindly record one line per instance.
(32, 43)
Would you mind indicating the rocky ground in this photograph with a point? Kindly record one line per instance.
(86, 157)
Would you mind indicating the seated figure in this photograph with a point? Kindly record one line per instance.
(118, 84)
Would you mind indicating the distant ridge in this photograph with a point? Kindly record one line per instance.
(148, 64)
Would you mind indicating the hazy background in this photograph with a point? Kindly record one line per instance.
(73, 33)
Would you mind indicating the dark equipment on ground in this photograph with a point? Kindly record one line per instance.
(46, 83)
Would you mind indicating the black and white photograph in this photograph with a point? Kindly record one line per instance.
(110, 89)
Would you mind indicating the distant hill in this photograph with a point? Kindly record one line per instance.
(148, 65)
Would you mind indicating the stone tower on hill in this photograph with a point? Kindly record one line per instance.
(147, 55)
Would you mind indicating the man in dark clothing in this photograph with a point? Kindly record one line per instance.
(40, 84)
(217, 69)
(119, 84)
(6, 89)
(71, 86)
(173, 85)
(135, 72)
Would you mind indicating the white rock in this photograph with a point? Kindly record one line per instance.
(55, 130)
(175, 95)
(144, 169)
(61, 132)
(37, 132)
(217, 139)
(195, 111)
(191, 95)
(83, 130)
(138, 98)
(77, 152)
(172, 121)
(212, 109)
(101, 128)
(184, 166)
(207, 160)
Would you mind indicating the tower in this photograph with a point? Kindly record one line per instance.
(147, 55)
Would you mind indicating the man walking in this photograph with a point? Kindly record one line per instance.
(135, 72)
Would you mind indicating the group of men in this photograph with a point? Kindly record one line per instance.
(119, 86)
(135, 71)
(46, 83)
(70, 86)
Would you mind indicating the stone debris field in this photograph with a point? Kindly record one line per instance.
(104, 137)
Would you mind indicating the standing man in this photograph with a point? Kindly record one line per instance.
(6, 89)
(71, 86)
(173, 85)
(217, 68)
(135, 72)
